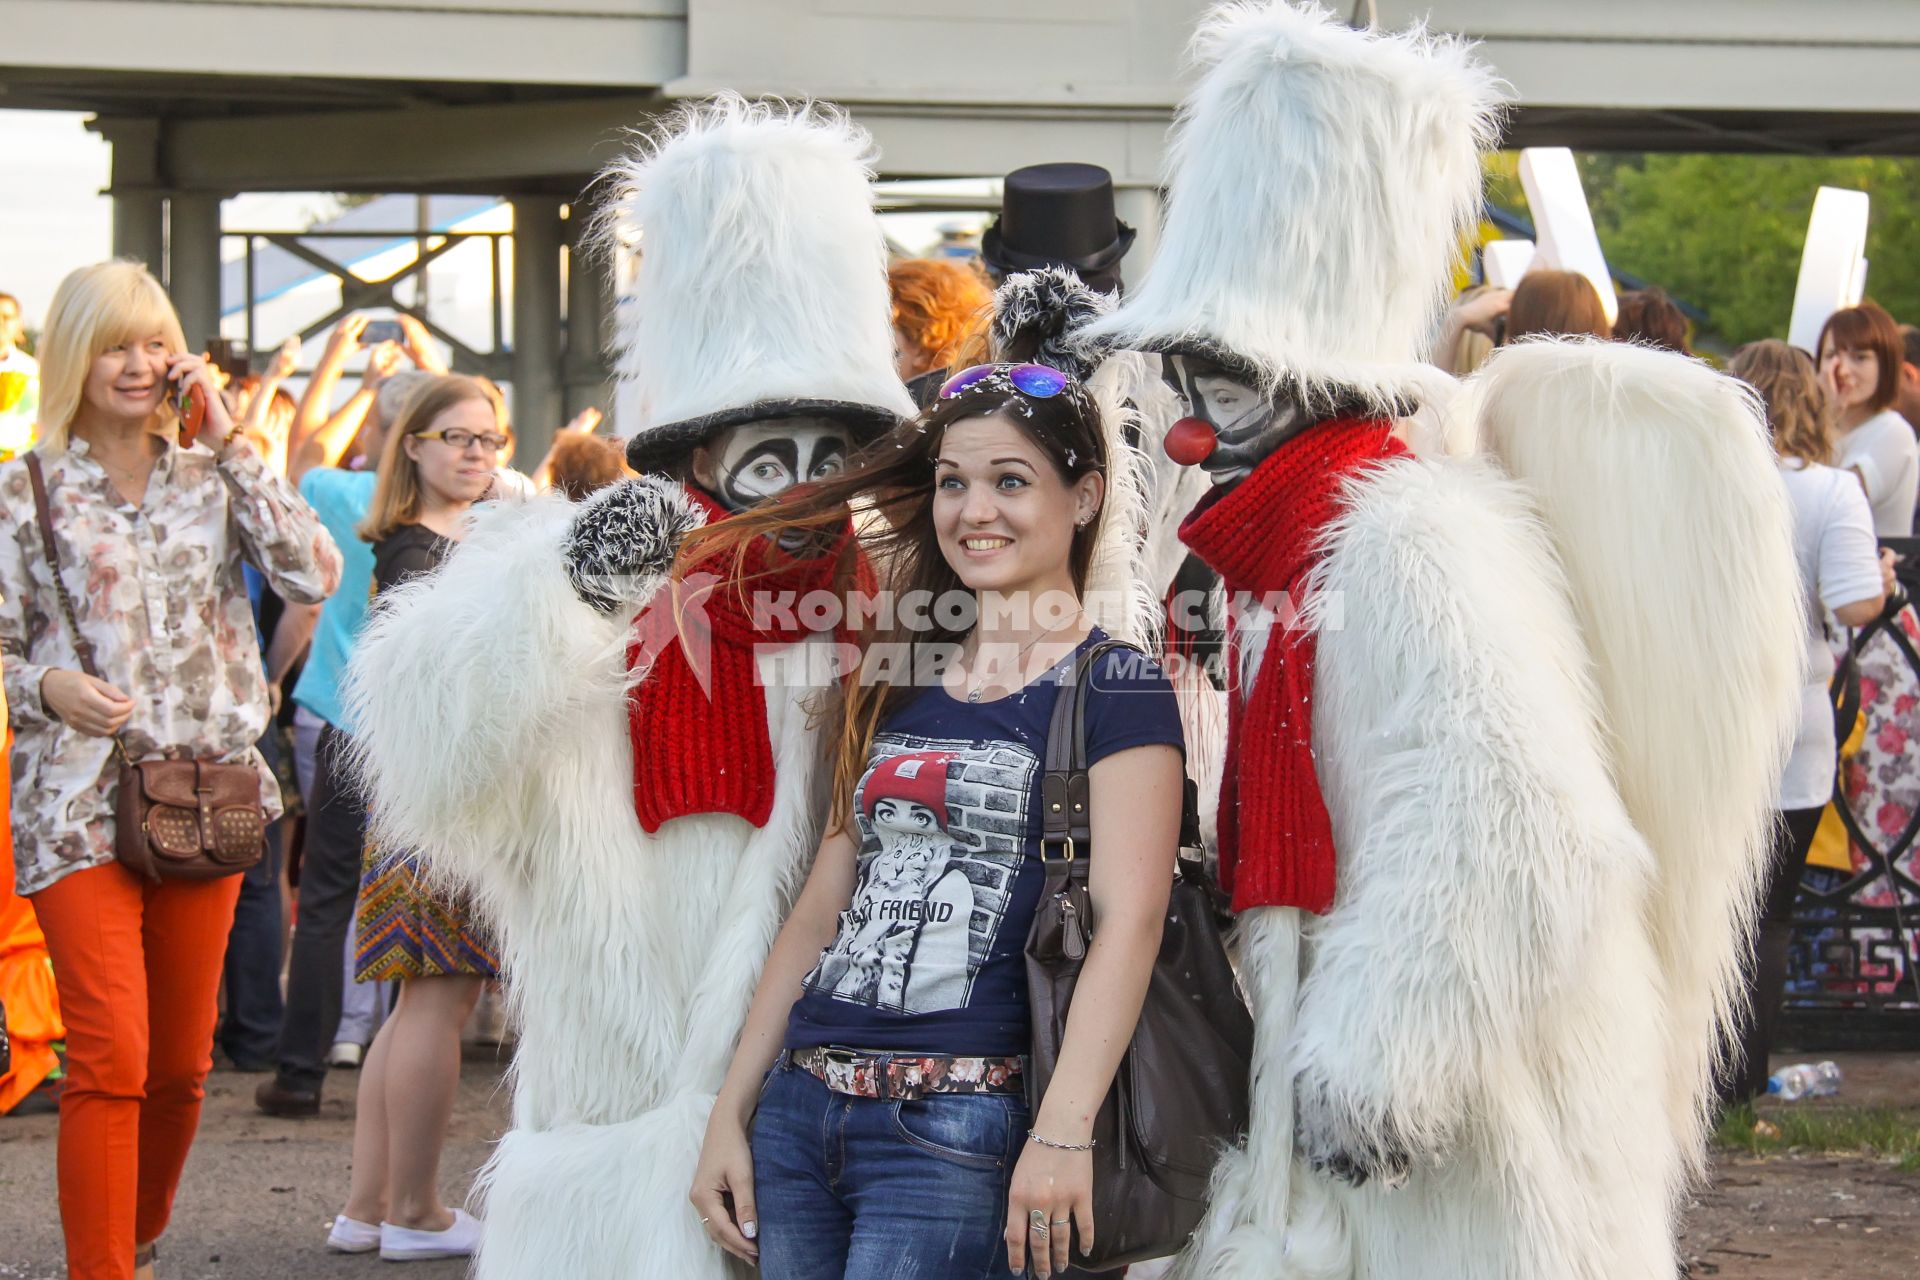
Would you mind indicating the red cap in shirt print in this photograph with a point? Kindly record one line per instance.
(912, 787)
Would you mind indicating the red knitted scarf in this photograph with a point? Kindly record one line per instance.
(1263, 536)
(698, 719)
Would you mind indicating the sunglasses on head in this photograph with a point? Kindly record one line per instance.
(1037, 381)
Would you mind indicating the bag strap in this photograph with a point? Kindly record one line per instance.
(1844, 690)
(43, 513)
(1066, 814)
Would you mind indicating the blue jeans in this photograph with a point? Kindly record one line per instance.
(251, 1027)
(863, 1189)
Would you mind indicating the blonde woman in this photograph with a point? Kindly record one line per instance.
(1845, 576)
(438, 460)
(150, 538)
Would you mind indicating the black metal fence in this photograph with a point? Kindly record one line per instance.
(1853, 974)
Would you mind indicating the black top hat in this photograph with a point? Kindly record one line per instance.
(1058, 215)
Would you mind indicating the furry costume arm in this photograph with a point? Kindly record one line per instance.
(463, 681)
(1460, 752)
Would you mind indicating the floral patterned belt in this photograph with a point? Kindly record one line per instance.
(905, 1076)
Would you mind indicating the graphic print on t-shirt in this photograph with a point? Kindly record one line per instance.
(942, 826)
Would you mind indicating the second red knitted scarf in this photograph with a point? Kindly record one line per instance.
(1263, 536)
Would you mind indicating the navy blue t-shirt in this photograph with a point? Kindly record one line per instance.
(930, 957)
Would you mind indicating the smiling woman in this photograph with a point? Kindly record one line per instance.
(108, 351)
(894, 1002)
(149, 539)
(1860, 360)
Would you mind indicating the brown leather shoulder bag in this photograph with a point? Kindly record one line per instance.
(174, 819)
(1180, 1096)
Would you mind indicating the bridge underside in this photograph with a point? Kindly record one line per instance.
(183, 142)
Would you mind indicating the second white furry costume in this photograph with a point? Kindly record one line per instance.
(1550, 683)
(492, 703)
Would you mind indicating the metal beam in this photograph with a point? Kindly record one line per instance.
(544, 146)
(555, 147)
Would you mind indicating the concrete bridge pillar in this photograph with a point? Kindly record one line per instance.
(536, 326)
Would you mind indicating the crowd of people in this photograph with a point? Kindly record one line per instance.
(218, 584)
(768, 921)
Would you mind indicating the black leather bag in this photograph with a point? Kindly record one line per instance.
(1180, 1095)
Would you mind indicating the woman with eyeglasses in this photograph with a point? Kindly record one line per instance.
(439, 459)
(874, 1119)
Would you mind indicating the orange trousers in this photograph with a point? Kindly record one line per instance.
(139, 971)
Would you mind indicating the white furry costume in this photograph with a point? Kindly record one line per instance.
(491, 704)
(1554, 681)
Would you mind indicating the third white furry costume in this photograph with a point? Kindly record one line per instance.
(1493, 803)
(629, 778)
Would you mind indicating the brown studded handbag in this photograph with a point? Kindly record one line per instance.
(1180, 1096)
(174, 819)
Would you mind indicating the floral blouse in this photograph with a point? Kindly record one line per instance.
(159, 591)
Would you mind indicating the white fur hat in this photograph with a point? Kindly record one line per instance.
(761, 290)
(1321, 179)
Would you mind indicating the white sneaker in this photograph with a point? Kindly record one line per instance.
(350, 1235)
(346, 1053)
(404, 1244)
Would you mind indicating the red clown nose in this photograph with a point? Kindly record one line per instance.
(1190, 441)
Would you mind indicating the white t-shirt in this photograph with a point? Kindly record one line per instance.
(1883, 451)
(1839, 562)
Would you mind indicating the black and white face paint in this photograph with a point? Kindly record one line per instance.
(757, 460)
(1247, 425)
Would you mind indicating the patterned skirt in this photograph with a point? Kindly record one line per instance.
(404, 929)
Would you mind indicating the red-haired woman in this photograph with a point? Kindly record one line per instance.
(940, 314)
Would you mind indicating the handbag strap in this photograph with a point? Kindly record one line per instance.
(1066, 814)
(82, 647)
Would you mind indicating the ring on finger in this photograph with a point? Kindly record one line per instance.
(1037, 1222)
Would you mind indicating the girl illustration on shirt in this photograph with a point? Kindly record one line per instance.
(903, 941)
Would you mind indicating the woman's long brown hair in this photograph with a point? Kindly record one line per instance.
(891, 485)
(1798, 415)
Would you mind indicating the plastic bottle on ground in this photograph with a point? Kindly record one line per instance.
(1804, 1080)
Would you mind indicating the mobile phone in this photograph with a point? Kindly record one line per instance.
(378, 331)
(231, 356)
(190, 402)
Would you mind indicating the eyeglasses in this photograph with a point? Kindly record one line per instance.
(461, 439)
(1037, 381)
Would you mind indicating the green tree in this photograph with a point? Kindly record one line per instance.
(1725, 232)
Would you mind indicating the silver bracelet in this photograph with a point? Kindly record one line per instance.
(1060, 1146)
